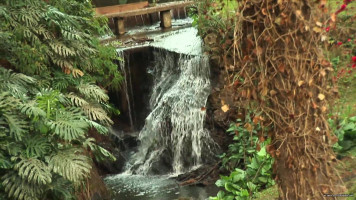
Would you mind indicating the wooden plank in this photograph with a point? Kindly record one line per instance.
(120, 8)
(148, 10)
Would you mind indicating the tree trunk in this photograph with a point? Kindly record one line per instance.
(277, 49)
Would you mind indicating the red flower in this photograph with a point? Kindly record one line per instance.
(327, 29)
(339, 43)
(349, 40)
(343, 7)
(349, 71)
(353, 66)
(354, 59)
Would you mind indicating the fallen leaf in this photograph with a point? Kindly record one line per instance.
(300, 83)
(323, 109)
(203, 109)
(325, 63)
(314, 105)
(317, 129)
(323, 73)
(333, 17)
(248, 127)
(298, 13)
(319, 24)
(321, 97)
(273, 92)
(256, 119)
(264, 12)
(258, 51)
(278, 21)
(264, 91)
(281, 67)
(225, 108)
(317, 29)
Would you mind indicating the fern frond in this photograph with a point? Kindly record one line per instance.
(61, 49)
(18, 127)
(102, 154)
(37, 146)
(93, 92)
(42, 31)
(5, 163)
(110, 108)
(19, 189)
(15, 83)
(61, 62)
(100, 128)
(34, 171)
(69, 124)
(30, 109)
(7, 76)
(95, 112)
(89, 143)
(75, 100)
(48, 100)
(14, 149)
(60, 189)
(7, 102)
(71, 164)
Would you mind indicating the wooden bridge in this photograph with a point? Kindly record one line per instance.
(120, 12)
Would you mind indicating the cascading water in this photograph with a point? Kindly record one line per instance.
(173, 139)
(126, 85)
(174, 132)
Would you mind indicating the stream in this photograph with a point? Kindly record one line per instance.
(173, 139)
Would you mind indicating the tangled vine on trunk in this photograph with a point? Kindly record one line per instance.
(275, 60)
(276, 51)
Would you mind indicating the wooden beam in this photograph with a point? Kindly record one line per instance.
(119, 25)
(166, 19)
(145, 10)
(120, 8)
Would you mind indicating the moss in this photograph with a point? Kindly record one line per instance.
(268, 194)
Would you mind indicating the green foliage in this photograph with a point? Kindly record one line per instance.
(70, 164)
(251, 167)
(345, 131)
(54, 74)
(42, 143)
(215, 16)
(244, 145)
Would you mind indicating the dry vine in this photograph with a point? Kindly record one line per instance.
(276, 52)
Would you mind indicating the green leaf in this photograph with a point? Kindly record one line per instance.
(244, 193)
(71, 164)
(220, 183)
(262, 152)
(220, 194)
(69, 124)
(20, 189)
(34, 171)
(37, 146)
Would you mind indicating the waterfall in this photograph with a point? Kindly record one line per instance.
(174, 133)
(127, 86)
